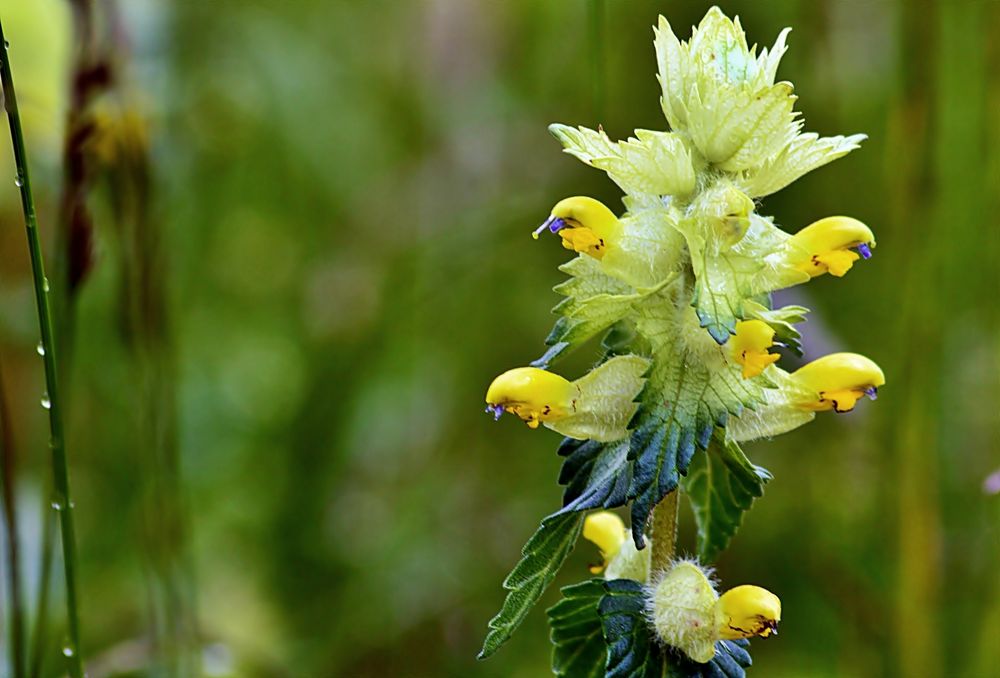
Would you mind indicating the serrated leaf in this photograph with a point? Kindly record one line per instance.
(541, 559)
(596, 475)
(594, 302)
(802, 155)
(672, 66)
(690, 390)
(732, 658)
(632, 650)
(654, 163)
(740, 127)
(721, 485)
(578, 649)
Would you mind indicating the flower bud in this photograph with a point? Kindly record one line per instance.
(688, 614)
(584, 224)
(533, 394)
(837, 381)
(825, 245)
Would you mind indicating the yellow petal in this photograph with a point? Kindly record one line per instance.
(533, 394)
(837, 381)
(747, 611)
(607, 531)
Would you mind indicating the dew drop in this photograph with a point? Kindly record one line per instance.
(57, 506)
(18, 180)
(46, 403)
(40, 348)
(68, 651)
(6, 43)
(45, 284)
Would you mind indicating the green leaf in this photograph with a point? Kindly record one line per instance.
(541, 559)
(594, 302)
(652, 163)
(690, 390)
(596, 475)
(632, 650)
(578, 649)
(803, 154)
(721, 485)
(732, 657)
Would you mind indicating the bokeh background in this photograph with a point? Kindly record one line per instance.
(309, 225)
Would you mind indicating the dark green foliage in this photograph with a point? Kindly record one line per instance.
(596, 475)
(577, 636)
(541, 559)
(722, 485)
(731, 659)
(632, 650)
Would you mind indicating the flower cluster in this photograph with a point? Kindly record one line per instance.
(679, 286)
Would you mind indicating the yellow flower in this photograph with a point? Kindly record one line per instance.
(753, 338)
(837, 381)
(747, 611)
(533, 394)
(688, 614)
(826, 245)
(607, 531)
(584, 224)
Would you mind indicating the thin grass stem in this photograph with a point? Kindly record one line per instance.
(51, 400)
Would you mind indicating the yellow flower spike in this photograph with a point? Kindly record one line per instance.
(828, 244)
(753, 338)
(607, 531)
(838, 381)
(584, 224)
(533, 394)
(747, 611)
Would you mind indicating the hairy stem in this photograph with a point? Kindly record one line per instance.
(664, 532)
(52, 401)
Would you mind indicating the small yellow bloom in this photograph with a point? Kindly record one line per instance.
(828, 244)
(753, 338)
(533, 394)
(584, 224)
(838, 381)
(607, 531)
(747, 611)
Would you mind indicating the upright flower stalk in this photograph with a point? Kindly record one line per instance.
(678, 288)
(51, 400)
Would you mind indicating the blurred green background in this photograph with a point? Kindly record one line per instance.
(279, 356)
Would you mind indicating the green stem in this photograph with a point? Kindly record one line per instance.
(664, 533)
(60, 468)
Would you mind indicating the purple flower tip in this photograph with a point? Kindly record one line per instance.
(495, 410)
(865, 251)
(871, 392)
